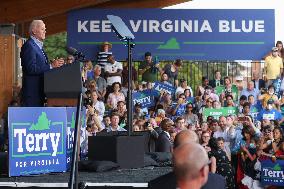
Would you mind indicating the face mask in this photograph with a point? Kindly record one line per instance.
(252, 145)
(269, 107)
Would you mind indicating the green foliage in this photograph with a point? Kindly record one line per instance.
(55, 45)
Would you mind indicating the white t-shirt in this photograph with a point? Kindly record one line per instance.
(112, 68)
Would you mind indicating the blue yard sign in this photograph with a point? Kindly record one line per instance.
(144, 98)
(41, 139)
(272, 173)
(204, 34)
(159, 86)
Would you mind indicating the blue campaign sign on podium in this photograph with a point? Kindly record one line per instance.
(40, 139)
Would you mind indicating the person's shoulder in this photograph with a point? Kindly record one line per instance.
(167, 181)
(215, 181)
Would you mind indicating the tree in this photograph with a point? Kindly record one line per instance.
(55, 46)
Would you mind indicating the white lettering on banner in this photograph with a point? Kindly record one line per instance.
(245, 26)
(272, 173)
(142, 100)
(32, 141)
(82, 26)
(70, 138)
(159, 88)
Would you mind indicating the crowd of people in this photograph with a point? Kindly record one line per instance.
(235, 143)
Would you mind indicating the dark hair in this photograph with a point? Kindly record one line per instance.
(112, 86)
(230, 96)
(246, 104)
(114, 114)
(220, 139)
(148, 54)
(178, 62)
(271, 86)
(243, 97)
(250, 96)
(178, 119)
(204, 78)
(213, 144)
(278, 43)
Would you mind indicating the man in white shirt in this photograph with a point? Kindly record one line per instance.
(113, 71)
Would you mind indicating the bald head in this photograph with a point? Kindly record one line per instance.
(185, 165)
(185, 136)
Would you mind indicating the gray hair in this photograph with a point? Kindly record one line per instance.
(34, 24)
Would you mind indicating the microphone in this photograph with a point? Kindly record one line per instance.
(74, 52)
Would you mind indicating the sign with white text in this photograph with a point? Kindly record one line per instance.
(205, 34)
(272, 173)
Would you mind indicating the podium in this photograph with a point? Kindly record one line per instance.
(63, 85)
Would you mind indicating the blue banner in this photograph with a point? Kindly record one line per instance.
(145, 98)
(204, 34)
(159, 86)
(41, 139)
(272, 173)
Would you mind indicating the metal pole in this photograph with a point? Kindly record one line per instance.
(73, 180)
(129, 92)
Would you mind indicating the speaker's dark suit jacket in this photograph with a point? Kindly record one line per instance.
(34, 63)
(212, 83)
(168, 181)
(163, 143)
(261, 83)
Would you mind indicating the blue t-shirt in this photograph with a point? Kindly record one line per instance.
(180, 110)
(269, 114)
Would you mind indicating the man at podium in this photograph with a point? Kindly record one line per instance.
(34, 63)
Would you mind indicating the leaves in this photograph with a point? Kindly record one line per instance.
(55, 46)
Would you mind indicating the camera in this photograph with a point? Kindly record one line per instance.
(88, 101)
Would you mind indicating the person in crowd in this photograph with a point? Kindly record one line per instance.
(114, 123)
(102, 56)
(272, 146)
(201, 88)
(220, 163)
(190, 173)
(100, 82)
(221, 145)
(279, 45)
(161, 115)
(179, 108)
(250, 90)
(216, 104)
(99, 106)
(149, 69)
(165, 79)
(229, 102)
(189, 96)
(115, 96)
(209, 91)
(180, 89)
(35, 63)
(113, 71)
(180, 124)
(163, 143)
(273, 66)
(168, 181)
(269, 113)
(208, 104)
(106, 122)
(166, 101)
(239, 82)
(269, 95)
(138, 113)
(87, 70)
(204, 140)
(258, 82)
(172, 71)
(70, 59)
(189, 116)
(125, 74)
(217, 81)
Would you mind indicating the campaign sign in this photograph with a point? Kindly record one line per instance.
(216, 113)
(144, 98)
(234, 91)
(206, 34)
(272, 173)
(37, 140)
(159, 86)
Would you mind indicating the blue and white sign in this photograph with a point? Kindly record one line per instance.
(145, 98)
(272, 173)
(159, 86)
(40, 139)
(204, 34)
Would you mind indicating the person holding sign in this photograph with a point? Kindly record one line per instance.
(269, 113)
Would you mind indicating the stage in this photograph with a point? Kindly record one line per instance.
(121, 178)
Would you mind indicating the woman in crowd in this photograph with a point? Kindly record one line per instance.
(172, 71)
(220, 163)
(204, 140)
(189, 116)
(201, 88)
(189, 97)
(115, 96)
